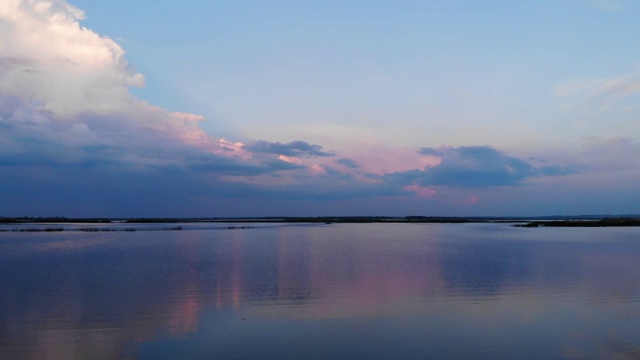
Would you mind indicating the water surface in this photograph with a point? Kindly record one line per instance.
(357, 291)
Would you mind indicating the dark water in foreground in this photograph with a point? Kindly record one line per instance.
(348, 291)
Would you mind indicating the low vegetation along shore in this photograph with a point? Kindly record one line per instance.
(585, 223)
(549, 221)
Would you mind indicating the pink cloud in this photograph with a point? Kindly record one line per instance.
(382, 159)
(290, 159)
(472, 200)
(318, 169)
(421, 191)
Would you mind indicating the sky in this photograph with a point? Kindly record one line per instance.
(313, 108)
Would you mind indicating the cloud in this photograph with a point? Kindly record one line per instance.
(65, 101)
(421, 191)
(604, 92)
(349, 163)
(295, 148)
(76, 138)
(48, 59)
(429, 151)
(471, 167)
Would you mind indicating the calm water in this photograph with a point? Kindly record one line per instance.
(347, 291)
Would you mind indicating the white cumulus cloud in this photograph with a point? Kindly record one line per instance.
(49, 59)
(65, 100)
(63, 86)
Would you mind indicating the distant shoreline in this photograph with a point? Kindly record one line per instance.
(608, 222)
(544, 221)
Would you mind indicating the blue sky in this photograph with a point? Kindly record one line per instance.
(252, 108)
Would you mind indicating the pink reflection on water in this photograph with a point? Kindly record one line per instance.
(338, 284)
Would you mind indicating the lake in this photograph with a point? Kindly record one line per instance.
(322, 291)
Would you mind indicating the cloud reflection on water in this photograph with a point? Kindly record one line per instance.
(102, 294)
